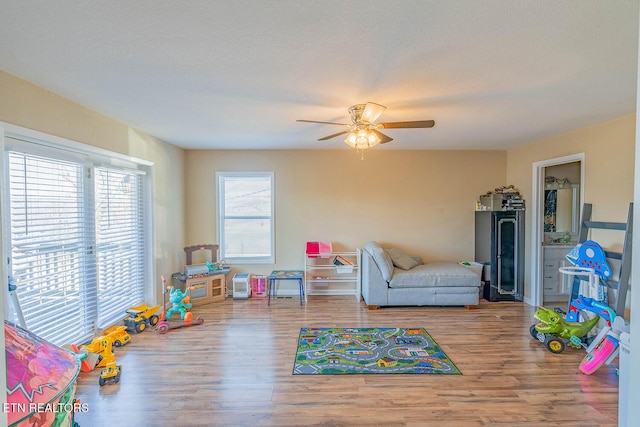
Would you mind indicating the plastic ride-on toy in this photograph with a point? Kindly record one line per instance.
(180, 303)
(556, 333)
(589, 262)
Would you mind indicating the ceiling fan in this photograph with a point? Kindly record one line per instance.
(363, 130)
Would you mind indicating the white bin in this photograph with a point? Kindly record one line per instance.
(241, 286)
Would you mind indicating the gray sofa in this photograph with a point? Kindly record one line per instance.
(392, 278)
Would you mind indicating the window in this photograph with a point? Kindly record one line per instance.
(120, 254)
(50, 254)
(77, 241)
(245, 217)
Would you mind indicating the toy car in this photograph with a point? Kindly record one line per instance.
(141, 316)
(556, 333)
(118, 334)
(110, 373)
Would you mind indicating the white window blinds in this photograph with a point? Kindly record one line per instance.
(51, 223)
(77, 244)
(120, 242)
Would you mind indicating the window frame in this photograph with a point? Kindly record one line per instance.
(221, 216)
(34, 142)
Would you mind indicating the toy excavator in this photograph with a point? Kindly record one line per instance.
(103, 347)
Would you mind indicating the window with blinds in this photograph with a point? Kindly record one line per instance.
(245, 217)
(77, 244)
(119, 242)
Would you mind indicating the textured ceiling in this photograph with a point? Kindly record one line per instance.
(237, 74)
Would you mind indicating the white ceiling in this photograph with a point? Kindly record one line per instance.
(237, 74)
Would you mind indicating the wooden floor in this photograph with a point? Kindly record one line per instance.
(236, 370)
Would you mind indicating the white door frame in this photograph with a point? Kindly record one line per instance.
(537, 213)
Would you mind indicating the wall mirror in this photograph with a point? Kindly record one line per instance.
(561, 205)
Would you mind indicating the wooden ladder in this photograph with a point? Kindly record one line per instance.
(622, 284)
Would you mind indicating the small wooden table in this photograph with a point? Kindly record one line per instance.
(286, 275)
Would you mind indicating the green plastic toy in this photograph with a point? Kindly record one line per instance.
(555, 332)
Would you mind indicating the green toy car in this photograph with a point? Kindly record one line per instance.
(556, 333)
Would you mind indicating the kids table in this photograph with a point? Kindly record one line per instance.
(286, 275)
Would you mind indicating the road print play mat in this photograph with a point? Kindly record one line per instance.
(369, 351)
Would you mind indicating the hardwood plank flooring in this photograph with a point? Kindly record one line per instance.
(236, 370)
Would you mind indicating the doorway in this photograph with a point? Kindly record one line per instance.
(552, 230)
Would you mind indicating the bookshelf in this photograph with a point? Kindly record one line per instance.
(333, 273)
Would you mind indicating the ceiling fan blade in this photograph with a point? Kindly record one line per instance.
(334, 135)
(414, 124)
(324, 123)
(371, 112)
(383, 138)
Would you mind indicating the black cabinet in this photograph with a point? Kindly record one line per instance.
(499, 240)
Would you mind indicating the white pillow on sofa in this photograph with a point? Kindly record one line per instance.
(401, 259)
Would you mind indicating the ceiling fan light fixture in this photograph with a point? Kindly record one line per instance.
(363, 131)
(362, 139)
(372, 111)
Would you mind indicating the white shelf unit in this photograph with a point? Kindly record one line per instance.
(323, 277)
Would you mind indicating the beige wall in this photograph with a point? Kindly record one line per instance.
(29, 106)
(420, 201)
(609, 150)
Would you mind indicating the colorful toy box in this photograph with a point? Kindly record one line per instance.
(259, 286)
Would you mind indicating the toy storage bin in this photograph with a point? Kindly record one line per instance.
(318, 249)
(259, 286)
(241, 286)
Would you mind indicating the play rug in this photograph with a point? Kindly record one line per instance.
(369, 351)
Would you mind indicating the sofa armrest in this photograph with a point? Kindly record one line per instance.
(374, 287)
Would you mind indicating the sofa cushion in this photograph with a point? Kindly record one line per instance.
(436, 274)
(402, 260)
(381, 258)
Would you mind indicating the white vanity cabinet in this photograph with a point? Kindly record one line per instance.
(556, 284)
